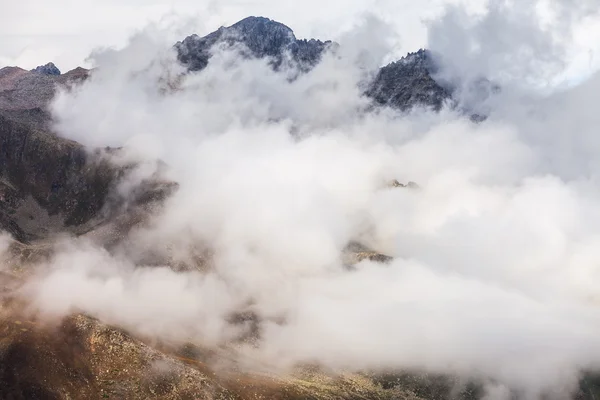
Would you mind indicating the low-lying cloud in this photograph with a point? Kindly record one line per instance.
(496, 254)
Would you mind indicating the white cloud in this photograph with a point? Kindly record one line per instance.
(497, 252)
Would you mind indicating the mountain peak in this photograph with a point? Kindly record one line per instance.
(260, 36)
(409, 82)
(48, 69)
(254, 24)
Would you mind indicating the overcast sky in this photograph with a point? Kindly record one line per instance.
(33, 32)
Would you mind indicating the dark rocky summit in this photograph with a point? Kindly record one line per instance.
(261, 37)
(409, 82)
(48, 69)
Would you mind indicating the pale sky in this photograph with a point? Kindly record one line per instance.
(33, 32)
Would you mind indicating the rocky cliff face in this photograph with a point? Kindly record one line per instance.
(42, 176)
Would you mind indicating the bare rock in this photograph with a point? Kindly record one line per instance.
(48, 69)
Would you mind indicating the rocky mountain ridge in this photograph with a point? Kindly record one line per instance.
(402, 85)
(260, 37)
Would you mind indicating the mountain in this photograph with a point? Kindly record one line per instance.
(261, 37)
(402, 85)
(409, 82)
(48, 69)
(43, 176)
(50, 186)
(86, 359)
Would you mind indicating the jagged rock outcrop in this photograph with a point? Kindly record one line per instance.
(408, 82)
(355, 252)
(261, 37)
(48, 69)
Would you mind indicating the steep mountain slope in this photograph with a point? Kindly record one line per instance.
(24, 95)
(49, 184)
(43, 176)
(83, 358)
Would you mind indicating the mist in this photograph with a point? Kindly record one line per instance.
(495, 254)
(5, 240)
